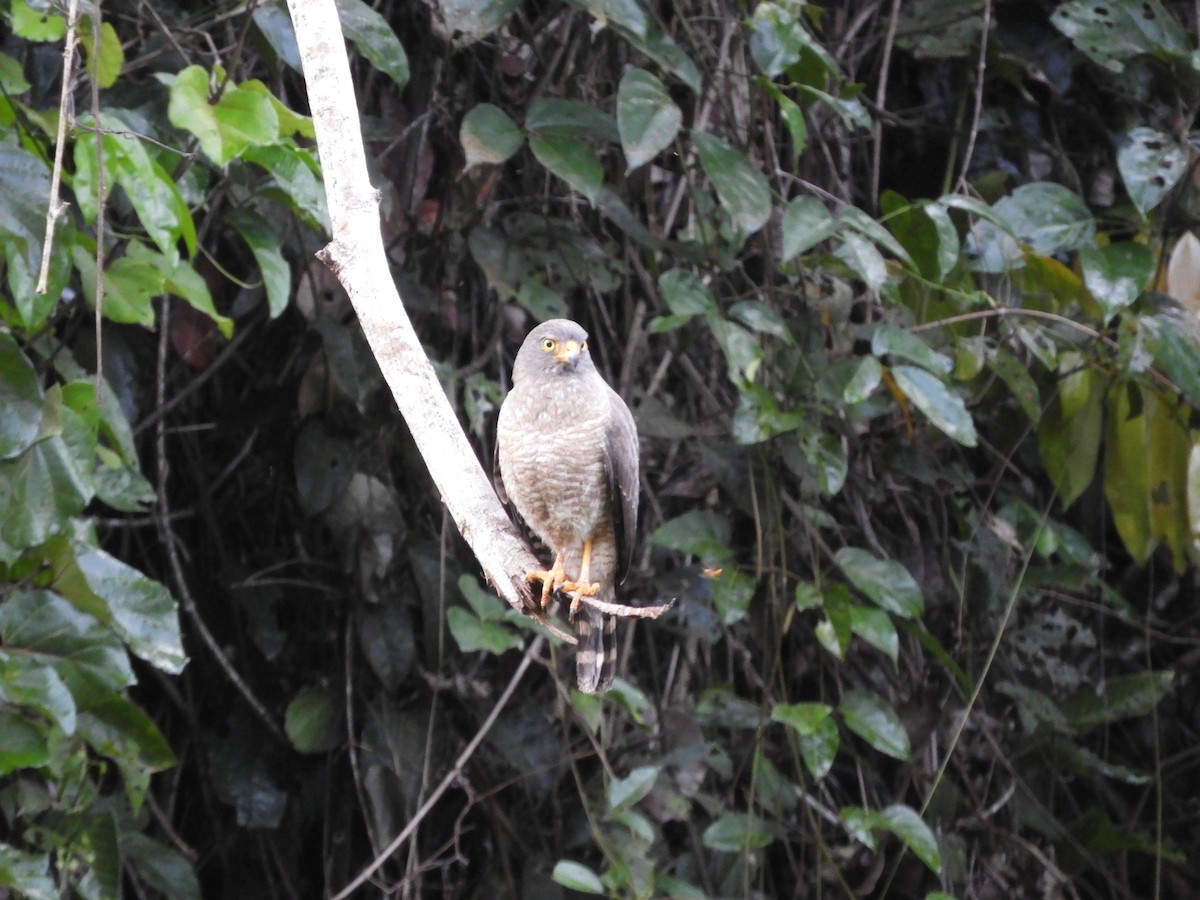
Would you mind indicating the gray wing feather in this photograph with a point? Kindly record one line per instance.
(621, 461)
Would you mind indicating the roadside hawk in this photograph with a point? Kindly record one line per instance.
(567, 460)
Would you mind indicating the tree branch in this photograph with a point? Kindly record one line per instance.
(356, 256)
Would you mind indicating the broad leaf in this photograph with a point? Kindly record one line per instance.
(647, 117)
(741, 186)
(944, 408)
(875, 722)
(885, 581)
(1151, 163)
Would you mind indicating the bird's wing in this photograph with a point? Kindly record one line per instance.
(621, 462)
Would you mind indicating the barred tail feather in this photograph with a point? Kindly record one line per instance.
(596, 654)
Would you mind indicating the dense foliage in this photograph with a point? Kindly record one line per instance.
(905, 301)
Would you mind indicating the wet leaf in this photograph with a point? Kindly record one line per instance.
(806, 222)
(944, 408)
(370, 32)
(885, 581)
(875, 722)
(740, 185)
(1151, 163)
(572, 160)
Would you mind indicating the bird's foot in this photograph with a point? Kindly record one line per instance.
(552, 579)
(579, 589)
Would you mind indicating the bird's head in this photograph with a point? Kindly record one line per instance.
(557, 347)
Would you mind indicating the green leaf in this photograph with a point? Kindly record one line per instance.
(1069, 430)
(625, 792)
(1126, 485)
(143, 611)
(647, 119)
(737, 833)
(1020, 383)
(489, 136)
(1115, 699)
(36, 23)
(896, 342)
(732, 592)
(485, 604)
(51, 481)
(1151, 164)
(875, 627)
(944, 408)
(885, 581)
(866, 378)
(1118, 30)
(1116, 274)
(777, 37)
(864, 259)
(242, 776)
(1170, 339)
(1049, 217)
(370, 32)
(806, 222)
(685, 294)
(31, 682)
(741, 187)
(267, 247)
(296, 174)
(162, 868)
(22, 744)
(793, 118)
(760, 317)
(116, 728)
(83, 653)
(875, 722)
(20, 398)
(577, 877)
(857, 220)
(471, 633)
(472, 20)
(106, 65)
(572, 160)
(906, 824)
(27, 873)
(240, 118)
(743, 355)
(804, 718)
(312, 720)
(555, 117)
(701, 533)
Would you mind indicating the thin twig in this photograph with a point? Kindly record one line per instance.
(620, 609)
(980, 70)
(451, 776)
(186, 601)
(889, 42)
(56, 207)
(101, 196)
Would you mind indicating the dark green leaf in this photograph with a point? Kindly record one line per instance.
(866, 378)
(944, 408)
(267, 247)
(242, 776)
(22, 744)
(48, 630)
(370, 32)
(572, 160)
(27, 874)
(647, 118)
(875, 627)
(777, 37)
(160, 867)
(740, 185)
(875, 722)
(732, 592)
(625, 792)
(901, 344)
(864, 259)
(31, 682)
(906, 824)
(20, 398)
(885, 581)
(1115, 699)
(143, 611)
(685, 294)
(737, 833)
(805, 718)
(312, 721)
(555, 117)
(472, 20)
(297, 181)
(701, 533)
(485, 604)
(1020, 383)
(489, 136)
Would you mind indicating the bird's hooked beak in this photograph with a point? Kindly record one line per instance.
(568, 353)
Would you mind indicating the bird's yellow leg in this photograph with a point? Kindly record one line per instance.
(552, 579)
(584, 586)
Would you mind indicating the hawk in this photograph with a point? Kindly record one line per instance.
(567, 461)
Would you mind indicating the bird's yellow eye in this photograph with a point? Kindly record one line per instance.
(548, 344)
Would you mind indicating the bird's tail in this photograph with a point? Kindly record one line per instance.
(596, 654)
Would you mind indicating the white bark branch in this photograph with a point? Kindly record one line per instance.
(356, 256)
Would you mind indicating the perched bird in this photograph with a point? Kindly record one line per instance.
(567, 461)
